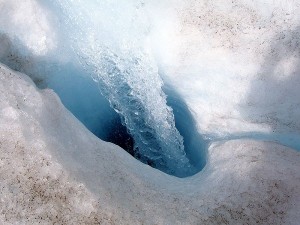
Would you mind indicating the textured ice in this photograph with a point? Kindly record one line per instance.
(235, 64)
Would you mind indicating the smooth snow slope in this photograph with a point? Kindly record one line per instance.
(52, 169)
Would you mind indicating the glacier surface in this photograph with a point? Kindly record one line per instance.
(234, 66)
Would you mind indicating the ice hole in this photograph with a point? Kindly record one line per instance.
(81, 95)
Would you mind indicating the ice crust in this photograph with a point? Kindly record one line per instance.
(236, 64)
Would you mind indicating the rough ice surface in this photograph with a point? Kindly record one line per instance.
(235, 64)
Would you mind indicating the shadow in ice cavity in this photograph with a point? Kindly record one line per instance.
(81, 95)
(195, 146)
(117, 134)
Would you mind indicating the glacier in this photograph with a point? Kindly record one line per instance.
(212, 85)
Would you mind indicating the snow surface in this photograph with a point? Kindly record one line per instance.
(235, 63)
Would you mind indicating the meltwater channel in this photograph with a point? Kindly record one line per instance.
(113, 51)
